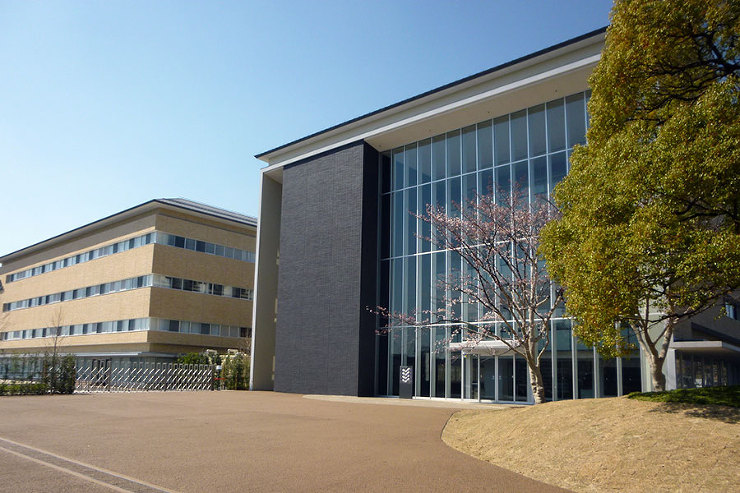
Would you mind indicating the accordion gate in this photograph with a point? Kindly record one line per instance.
(143, 376)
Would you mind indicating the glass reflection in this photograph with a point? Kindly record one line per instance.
(469, 154)
(528, 149)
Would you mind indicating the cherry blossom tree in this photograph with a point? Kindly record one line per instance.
(497, 238)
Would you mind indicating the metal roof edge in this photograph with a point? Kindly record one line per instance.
(210, 210)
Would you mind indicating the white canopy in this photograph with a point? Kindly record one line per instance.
(484, 348)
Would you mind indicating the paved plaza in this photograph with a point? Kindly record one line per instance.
(235, 441)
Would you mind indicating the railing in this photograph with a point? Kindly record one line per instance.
(142, 376)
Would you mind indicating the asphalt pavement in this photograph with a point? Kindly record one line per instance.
(235, 441)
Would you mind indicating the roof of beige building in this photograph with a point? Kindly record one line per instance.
(179, 203)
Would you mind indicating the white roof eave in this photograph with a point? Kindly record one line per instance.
(375, 127)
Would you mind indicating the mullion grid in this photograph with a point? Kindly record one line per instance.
(416, 257)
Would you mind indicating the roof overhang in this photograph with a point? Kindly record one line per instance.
(484, 348)
(548, 74)
(717, 348)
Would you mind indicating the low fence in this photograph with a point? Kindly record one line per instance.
(143, 376)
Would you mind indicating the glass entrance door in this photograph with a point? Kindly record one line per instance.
(520, 380)
(488, 377)
(506, 378)
(470, 373)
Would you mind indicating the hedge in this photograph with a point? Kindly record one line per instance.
(23, 388)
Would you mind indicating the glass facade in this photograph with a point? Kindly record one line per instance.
(705, 370)
(528, 149)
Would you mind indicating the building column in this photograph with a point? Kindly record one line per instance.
(262, 369)
(669, 369)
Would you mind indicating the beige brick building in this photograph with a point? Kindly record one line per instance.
(166, 277)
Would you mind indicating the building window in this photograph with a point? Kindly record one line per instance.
(731, 310)
(128, 244)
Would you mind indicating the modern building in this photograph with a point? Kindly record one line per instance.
(336, 237)
(165, 277)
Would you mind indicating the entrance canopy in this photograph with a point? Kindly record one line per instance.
(709, 348)
(484, 348)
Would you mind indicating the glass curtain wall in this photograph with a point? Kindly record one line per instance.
(529, 149)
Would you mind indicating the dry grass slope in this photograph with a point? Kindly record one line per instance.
(608, 444)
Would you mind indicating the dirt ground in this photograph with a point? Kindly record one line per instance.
(234, 441)
(608, 444)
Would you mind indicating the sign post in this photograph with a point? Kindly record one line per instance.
(406, 382)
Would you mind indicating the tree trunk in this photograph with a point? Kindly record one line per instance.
(538, 386)
(656, 371)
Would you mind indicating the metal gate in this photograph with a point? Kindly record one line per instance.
(143, 376)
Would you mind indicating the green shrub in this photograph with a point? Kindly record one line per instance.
(235, 372)
(38, 388)
(67, 375)
(193, 359)
(60, 373)
(199, 359)
(23, 388)
(722, 396)
(50, 371)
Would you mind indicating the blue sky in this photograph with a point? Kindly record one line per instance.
(108, 104)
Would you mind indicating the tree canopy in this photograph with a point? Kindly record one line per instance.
(650, 229)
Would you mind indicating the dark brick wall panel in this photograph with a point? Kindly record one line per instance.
(324, 341)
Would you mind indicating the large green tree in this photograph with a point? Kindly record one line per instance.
(650, 227)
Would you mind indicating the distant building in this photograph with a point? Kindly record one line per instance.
(335, 213)
(166, 277)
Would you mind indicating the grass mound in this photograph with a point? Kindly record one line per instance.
(615, 444)
(719, 396)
